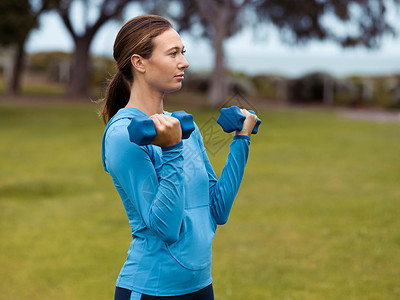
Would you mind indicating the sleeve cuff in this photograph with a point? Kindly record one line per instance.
(241, 137)
(178, 145)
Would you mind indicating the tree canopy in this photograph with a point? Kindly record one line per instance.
(363, 22)
(15, 21)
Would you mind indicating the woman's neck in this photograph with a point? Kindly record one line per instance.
(146, 100)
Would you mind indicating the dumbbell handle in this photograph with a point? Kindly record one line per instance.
(231, 119)
(142, 130)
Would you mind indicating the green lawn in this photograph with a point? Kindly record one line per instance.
(317, 215)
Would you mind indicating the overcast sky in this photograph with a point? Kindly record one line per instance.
(245, 52)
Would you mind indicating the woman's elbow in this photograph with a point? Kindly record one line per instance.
(220, 215)
(221, 220)
(170, 237)
(170, 234)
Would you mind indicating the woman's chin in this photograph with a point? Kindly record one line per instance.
(173, 88)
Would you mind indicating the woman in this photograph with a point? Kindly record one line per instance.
(170, 192)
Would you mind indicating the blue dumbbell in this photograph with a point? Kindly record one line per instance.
(142, 131)
(231, 119)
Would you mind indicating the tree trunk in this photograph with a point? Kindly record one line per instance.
(329, 90)
(79, 80)
(218, 84)
(15, 80)
(80, 71)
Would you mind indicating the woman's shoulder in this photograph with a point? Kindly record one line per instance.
(117, 134)
(120, 121)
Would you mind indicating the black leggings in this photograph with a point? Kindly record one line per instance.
(206, 293)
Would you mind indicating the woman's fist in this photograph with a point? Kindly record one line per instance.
(168, 130)
(248, 123)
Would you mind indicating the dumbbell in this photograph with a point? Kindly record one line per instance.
(142, 130)
(231, 119)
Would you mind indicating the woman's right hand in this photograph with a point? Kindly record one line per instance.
(168, 130)
(248, 124)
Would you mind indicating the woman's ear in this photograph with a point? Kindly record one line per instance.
(137, 63)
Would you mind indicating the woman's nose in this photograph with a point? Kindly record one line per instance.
(183, 64)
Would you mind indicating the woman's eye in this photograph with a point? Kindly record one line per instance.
(173, 54)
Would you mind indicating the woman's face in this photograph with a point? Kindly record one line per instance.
(164, 69)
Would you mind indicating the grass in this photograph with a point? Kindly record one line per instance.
(316, 216)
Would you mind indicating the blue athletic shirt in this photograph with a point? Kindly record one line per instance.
(174, 202)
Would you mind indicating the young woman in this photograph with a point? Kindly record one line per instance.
(172, 197)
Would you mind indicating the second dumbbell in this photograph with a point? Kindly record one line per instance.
(231, 119)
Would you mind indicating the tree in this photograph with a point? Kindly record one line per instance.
(221, 19)
(364, 22)
(17, 19)
(107, 10)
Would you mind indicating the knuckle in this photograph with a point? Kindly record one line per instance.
(253, 116)
(175, 121)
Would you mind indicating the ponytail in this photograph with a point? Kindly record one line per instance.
(117, 96)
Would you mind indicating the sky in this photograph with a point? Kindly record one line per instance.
(245, 52)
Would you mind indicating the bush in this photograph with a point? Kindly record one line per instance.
(311, 88)
(237, 82)
(382, 91)
(54, 65)
(267, 86)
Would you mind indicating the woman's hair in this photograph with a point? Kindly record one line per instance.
(135, 37)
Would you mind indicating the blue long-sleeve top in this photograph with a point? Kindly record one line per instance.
(174, 202)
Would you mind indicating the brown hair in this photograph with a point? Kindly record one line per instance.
(135, 37)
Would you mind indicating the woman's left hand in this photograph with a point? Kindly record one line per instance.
(248, 124)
